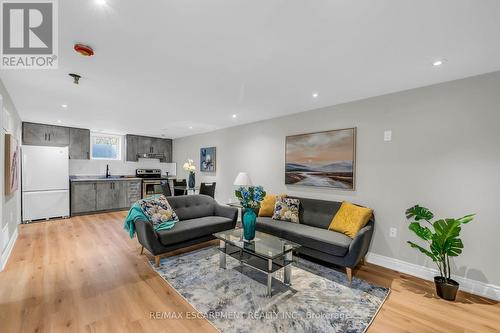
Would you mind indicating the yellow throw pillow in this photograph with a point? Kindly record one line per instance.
(267, 205)
(350, 219)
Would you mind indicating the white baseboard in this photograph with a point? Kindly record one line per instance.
(8, 250)
(471, 286)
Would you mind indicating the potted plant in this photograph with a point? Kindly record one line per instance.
(442, 238)
(191, 168)
(250, 199)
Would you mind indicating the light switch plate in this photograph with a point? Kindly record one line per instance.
(393, 232)
(388, 135)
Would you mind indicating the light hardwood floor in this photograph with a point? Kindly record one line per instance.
(84, 274)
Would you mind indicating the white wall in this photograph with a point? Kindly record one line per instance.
(98, 167)
(445, 155)
(10, 206)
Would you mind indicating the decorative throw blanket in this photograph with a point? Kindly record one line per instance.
(155, 209)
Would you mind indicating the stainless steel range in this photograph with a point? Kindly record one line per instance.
(151, 181)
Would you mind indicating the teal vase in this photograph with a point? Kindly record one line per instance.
(249, 219)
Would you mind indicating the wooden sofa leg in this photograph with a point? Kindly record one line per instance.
(142, 250)
(349, 274)
(157, 261)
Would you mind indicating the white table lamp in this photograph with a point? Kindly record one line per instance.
(243, 180)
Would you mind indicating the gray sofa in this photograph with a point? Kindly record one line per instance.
(199, 217)
(316, 240)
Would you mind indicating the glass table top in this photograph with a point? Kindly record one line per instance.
(264, 245)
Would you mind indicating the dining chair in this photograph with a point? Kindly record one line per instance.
(165, 186)
(208, 189)
(180, 183)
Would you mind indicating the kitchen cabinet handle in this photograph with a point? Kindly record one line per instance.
(49, 136)
(45, 136)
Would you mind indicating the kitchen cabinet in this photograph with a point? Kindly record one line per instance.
(79, 144)
(103, 195)
(107, 195)
(45, 135)
(77, 139)
(148, 146)
(83, 197)
(132, 147)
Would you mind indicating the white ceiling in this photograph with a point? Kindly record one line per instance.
(162, 66)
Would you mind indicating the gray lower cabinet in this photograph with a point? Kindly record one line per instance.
(83, 197)
(103, 195)
(107, 196)
(79, 144)
(45, 135)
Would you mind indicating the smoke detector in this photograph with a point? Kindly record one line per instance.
(76, 77)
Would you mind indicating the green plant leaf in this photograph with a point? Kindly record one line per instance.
(422, 232)
(424, 251)
(466, 218)
(447, 228)
(419, 213)
(453, 247)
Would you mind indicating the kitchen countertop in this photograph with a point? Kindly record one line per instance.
(102, 178)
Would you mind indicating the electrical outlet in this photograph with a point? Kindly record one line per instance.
(388, 135)
(393, 232)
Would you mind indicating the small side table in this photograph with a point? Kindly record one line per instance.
(240, 208)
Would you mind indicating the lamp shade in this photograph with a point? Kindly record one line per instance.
(242, 180)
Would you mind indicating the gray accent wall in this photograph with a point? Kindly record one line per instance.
(10, 206)
(444, 154)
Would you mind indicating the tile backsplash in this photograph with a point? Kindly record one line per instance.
(98, 167)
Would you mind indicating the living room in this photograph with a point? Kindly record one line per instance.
(250, 166)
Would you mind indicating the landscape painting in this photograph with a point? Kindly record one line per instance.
(325, 159)
(207, 159)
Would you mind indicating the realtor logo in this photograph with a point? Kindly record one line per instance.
(29, 34)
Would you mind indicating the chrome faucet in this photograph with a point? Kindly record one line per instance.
(108, 174)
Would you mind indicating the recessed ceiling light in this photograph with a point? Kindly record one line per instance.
(59, 121)
(315, 95)
(100, 2)
(64, 106)
(234, 116)
(438, 62)
(190, 127)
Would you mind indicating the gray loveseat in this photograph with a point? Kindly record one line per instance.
(316, 240)
(199, 217)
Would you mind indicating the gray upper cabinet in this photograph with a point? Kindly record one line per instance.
(145, 145)
(79, 144)
(45, 135)
(78, 139)
(140, 145)
(132, 143)
(58, 136)
(34, 134)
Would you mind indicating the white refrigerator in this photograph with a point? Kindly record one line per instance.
(45, 182)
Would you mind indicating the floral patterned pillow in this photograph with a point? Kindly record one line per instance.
(287, 209)
(158, 210)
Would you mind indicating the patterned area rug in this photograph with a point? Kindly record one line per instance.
(319, 300)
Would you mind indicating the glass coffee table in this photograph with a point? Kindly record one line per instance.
(266, 253)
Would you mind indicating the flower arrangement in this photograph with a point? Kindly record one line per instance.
(189, 166)
(250, 197)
